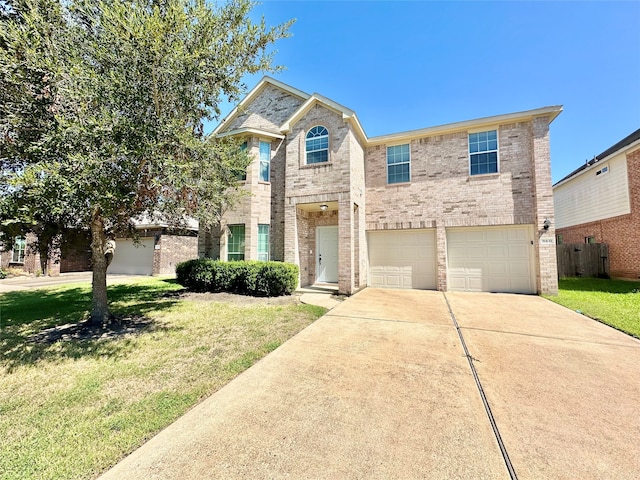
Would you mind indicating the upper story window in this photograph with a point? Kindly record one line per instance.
(265, 161)
(317, 145)
(398, 164)
(483, 152)
(242, 175)
(19, 247)
(235, 242)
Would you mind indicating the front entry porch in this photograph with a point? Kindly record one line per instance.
(326, 240)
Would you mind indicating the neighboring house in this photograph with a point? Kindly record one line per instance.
(159, 249)
(600, 203)
(72, 257)
(455, 207)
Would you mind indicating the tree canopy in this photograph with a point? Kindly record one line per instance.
(102, 111)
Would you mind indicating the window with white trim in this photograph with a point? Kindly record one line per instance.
(398, 164)
(483, 152)
(265, 161)
(235, 242)
(19, 247)
(263, 243)
(242, 175)
(317, 145)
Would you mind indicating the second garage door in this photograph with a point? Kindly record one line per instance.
(402, 259)
(130, 259)
(491, 259)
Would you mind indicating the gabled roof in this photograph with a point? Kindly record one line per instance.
(629, 141)
(253, 94)
(348, 115)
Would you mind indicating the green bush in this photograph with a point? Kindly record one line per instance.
(3, 274)
(263, 279)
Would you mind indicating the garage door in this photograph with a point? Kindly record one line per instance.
(131, 259)
(402, 259)
(491, 259)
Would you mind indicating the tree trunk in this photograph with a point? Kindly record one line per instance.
(99, 307)
(43, 249)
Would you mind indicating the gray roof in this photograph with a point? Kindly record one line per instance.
(629, 139)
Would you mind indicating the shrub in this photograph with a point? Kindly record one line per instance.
(3, 274)
(251, 277)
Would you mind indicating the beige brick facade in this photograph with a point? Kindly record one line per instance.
(441, 193)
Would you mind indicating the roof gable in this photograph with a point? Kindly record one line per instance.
(348, 115)
(243, 110)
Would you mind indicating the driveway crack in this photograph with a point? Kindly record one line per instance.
(485, 402)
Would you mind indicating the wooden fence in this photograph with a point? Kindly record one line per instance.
(583, 260)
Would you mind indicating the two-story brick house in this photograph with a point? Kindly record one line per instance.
(455, 207)
(600, 202)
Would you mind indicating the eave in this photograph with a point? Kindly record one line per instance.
(256, 132)
(552, 112)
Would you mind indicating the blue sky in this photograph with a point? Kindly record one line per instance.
(408, 65)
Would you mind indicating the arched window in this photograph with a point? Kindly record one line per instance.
(317, 141)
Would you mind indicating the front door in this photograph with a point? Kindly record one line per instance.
(327, 254)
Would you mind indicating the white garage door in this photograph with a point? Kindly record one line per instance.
(491, 259)
(402, 259)
(131, 259)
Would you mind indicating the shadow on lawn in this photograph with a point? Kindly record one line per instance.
(48, 324)
(599, 285)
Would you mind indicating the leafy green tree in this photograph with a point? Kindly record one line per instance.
(126, 86)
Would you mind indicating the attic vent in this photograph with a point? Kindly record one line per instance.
(603, 170)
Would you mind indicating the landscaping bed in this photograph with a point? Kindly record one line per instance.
(72, 404)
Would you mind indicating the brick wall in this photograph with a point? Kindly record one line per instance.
(76, 252)
(173, 250)
(270, 109)
(546, 264)
(442, 194)
(622, 233)
(441, 190)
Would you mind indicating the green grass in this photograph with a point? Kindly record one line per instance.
(614, 302)
(71, 409)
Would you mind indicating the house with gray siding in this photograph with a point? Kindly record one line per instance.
(460, 206)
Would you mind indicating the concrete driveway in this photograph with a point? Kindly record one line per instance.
(382, 387)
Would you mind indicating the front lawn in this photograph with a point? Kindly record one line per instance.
(73, 402)
(614, 302)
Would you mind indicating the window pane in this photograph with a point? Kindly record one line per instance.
(398, 163)
(265, 161)
(19, 246)
(317, 145)
(264, 172)
(483, 152)
(317, 157)
(263, 242)
(235, 242)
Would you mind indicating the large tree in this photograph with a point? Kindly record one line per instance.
(125, 86)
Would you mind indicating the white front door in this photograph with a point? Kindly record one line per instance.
(327, 254)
